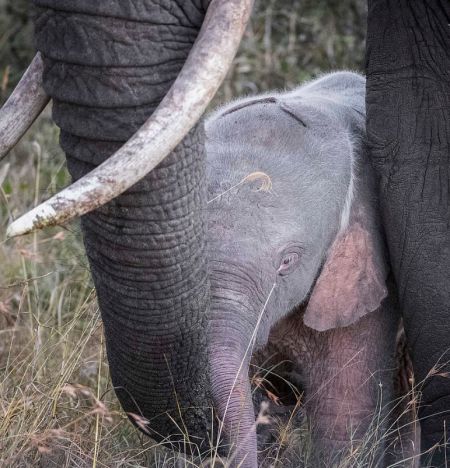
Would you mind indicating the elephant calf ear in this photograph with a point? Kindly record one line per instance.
(352, 283)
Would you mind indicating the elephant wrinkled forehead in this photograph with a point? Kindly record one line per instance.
(283, 137)
(260, 131)
(261, 122)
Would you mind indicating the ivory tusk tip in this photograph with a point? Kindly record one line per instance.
(37, 218)
(19, 227)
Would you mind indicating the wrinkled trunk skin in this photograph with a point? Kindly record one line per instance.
(233, 401)
(107, 66)
(408, 126)
(236, 303)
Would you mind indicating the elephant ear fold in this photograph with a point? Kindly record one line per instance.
(352, 282)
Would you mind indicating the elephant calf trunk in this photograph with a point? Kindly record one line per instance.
(232, 398)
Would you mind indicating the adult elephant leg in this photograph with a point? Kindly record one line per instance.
(107, 66)
(408, 126)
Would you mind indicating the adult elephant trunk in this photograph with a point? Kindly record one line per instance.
(106, 69)
(107, 65)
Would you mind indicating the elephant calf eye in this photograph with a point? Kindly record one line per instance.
(288, 263)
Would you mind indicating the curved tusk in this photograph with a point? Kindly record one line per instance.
(184, 104)
(22, 108)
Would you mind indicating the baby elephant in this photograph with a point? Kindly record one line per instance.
(298, 264)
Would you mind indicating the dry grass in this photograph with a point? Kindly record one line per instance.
(54, 386)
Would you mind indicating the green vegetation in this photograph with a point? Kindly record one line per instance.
(16, 43)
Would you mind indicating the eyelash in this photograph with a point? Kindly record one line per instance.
(287, 260)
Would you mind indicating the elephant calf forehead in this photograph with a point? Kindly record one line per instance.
(263, 123)
(280, 149)
(270, 128)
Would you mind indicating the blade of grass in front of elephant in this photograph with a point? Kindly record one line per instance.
(22, 108)
(182, 107)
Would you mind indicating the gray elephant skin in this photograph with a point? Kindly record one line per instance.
(178, 302)
(309, 242)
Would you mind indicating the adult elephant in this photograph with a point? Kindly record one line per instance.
(107, 65)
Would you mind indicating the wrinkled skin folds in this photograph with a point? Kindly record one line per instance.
(408, 126)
